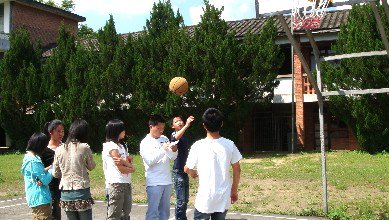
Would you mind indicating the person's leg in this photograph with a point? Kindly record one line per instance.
(164, 205)
(201, 216)
(179, 187)
(115, 201)
(85, 215)
(42, 212)
(186, 190)
(56, 197)
(71, 215)
(127, 201)
(154, 194)
(219, 215)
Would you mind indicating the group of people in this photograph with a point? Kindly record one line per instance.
(56, 174)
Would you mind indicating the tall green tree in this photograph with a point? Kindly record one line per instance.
(116, 63)
(229, 74)
(54, 80)
(365, 114)
(85, 32)
(160, 54)
(21, 75)
(67, 5)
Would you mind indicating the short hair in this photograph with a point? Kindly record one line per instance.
(213, 119)
(78, 131)
(155, 119)
(113, 129)
(37, 143)
(177, 116)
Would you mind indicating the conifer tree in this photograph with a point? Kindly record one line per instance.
(54, 80)
(160, 55)
(365, 114)
(85, 32)
(20, 73)
(228, 74)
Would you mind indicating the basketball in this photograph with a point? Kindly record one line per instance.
(178, 85)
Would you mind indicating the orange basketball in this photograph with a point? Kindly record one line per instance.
(178, 85)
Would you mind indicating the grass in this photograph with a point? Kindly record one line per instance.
(358, 183)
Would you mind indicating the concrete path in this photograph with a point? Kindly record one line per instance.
(17, 209)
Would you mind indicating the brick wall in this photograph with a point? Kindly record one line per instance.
(352, 141)
(309, 122)
(41, 24)
(299, 99)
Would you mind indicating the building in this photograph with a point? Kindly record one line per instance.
(270, 129)
(40, 20)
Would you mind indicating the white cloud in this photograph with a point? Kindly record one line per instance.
(266, 6)
(125, 8)
(233, 10)
(195, 13)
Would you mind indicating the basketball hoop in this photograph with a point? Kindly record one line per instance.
(308, 13)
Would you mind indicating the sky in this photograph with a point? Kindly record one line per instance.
(131, 15)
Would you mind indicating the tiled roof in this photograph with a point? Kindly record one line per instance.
(51, 9)
(331, 22)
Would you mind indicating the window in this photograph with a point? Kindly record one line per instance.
(1, 18)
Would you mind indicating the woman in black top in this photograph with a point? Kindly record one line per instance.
(55, 130)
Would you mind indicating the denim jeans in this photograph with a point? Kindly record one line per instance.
(213, 216)
(82, 215)
(181, 186)
(158, 202)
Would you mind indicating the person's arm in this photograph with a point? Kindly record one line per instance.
(123, 165)
(190, 172)
(56, 169)
(235, 181)
(181, 132)
(170, 151)
(90, 163)
(150, 155)
(38, 171)
(191, 162)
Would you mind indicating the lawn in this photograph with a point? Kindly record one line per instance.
(358, 183)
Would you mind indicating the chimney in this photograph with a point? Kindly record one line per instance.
(256, 9)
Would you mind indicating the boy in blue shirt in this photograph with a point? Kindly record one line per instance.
(180, 178)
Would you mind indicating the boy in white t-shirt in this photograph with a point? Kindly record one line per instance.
(156, 152)
(117, 169)
(210, 159)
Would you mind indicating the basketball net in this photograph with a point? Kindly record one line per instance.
(308, 13)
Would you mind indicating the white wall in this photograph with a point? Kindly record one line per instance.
(283, 92)
(285, 86)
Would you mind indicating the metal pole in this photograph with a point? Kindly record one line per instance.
(316, 53)
(323, 156)
(380, 26)
(293, 104)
